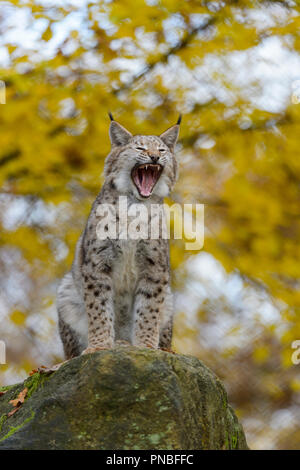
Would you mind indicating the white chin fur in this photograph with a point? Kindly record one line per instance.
(122, 181)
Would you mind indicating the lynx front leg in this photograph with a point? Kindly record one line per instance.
(148, 313)
(166, 329)
(165, 337)
(98, 297)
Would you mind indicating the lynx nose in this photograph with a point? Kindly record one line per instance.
(154, 158)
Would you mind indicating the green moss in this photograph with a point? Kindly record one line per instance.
(2, 421)
(33, 382)
(6, 388)
(234, 441)
(13, 430)
(155, 438)
(226, 445)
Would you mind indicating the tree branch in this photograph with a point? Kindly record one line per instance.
(164, 57)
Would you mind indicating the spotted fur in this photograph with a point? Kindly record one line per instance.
(119, 290)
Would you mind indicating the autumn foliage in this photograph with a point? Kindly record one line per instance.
(230, 67)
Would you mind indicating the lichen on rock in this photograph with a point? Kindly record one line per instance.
(125, 398)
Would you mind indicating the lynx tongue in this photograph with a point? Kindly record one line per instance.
(145, 177)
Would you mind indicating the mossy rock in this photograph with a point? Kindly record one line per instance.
(126, 398)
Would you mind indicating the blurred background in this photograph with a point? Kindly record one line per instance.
(232, 68)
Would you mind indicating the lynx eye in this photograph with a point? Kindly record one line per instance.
(162, 150)
(140, 148)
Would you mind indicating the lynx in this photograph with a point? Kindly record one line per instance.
(118, 291)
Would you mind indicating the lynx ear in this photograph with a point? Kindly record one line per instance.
(170, 136)
(118, 134)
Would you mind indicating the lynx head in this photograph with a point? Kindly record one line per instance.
(142, 165)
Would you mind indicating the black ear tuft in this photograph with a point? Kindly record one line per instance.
(179, 120)
(110, 116)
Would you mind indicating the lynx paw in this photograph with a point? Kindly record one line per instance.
(50, 370)
(146, 345)
(93, 349)
(168, 350)
(123, 343)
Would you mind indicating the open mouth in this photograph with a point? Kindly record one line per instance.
(145, 177)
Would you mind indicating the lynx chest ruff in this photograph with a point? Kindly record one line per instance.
(125, 273)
